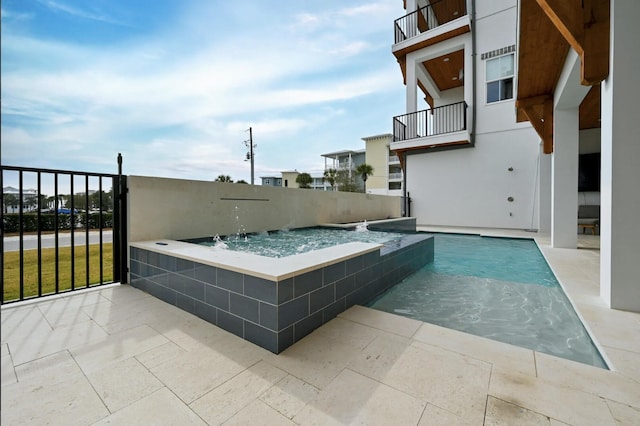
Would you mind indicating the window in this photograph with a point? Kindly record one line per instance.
(500, 78)
(267, 181)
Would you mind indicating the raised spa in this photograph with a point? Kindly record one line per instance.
(274, 301)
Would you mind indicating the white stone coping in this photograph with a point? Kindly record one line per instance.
(274, 269)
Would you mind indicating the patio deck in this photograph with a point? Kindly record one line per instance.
(116, 355)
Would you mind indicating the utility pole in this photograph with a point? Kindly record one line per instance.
(249, 144)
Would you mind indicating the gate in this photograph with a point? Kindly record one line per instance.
(62, 231)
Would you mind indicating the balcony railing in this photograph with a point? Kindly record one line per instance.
(427, 18)
(430, 122)
(394, 159)
(395, 176)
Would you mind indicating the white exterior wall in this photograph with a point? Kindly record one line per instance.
(471, 186)
(620, 175)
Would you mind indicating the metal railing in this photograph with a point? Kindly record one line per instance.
(57, 243)
(427, 18)
(395, 176)
(430, 122)
(394, 159)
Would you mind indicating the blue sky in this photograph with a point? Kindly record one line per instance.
(173, 85)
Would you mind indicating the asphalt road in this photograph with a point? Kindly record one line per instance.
(64, 240)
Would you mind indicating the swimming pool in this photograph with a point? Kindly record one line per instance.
(497, 288)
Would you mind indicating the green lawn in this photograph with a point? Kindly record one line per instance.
(11, 272)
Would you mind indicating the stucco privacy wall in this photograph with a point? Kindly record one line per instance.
(179, 209)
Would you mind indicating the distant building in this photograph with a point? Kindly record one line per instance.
(346, 161)
(271, 180)
(387, 173)
(11, 199)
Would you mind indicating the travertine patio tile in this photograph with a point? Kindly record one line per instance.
(96, 355)
(316, 359)
(160, 354)
(558, 402)
(22, 323)
(449, 380)
(50, 370)
(58, 339)
(199, 371)
(625, 362)
(123, 294)
(624, 414)
(502, 413)
(8, 373)
(612, 328)
(189, 333)
(115, 317)
(70, 402)
(349, 332)
(161, 407)
(289, 396)
(554, 422)
(589, 379)
(67, 310)
(501, 355)
(230, 397)
(258, 413)
(382, 320)
(123, 382)
(352, 398)
(60, 316)
(436, 416)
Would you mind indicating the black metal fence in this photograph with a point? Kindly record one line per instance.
(427, 18)
(430, 122)
(61, 231)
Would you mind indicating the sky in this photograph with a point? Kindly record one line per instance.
(174, 85)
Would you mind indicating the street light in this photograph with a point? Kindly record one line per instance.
(249, 144)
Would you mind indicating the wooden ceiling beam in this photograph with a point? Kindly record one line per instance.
(584, 24)
(427, 97)
(539, 112)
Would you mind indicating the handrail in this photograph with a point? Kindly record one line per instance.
(427, 18)
(430, 122)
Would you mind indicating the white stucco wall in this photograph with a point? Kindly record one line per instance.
(470, 186)
(180, 209)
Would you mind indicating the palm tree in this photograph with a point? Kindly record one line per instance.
(304, 180)
(224, 178)
(330, 175)
(364, 170)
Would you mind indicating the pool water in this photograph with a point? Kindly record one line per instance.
(286, 243)
(497, 288)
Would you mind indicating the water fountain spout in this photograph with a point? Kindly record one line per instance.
(362, 227)
(219, 244)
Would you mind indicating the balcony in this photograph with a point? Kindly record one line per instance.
(428, 18)
(430, 122)
(394, 159)
(395, 176)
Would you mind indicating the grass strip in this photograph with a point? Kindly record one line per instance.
(11, 272)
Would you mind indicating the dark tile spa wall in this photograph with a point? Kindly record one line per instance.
(271, 314)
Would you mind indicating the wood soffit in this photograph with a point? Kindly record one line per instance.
(548, 28)
(445, 70)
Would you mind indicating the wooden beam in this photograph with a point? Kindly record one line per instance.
(427, 97)
(584, 24)
(539, 112)
(566, 16)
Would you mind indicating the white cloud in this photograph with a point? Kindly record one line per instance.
(175, 107)
(57, 6)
